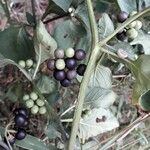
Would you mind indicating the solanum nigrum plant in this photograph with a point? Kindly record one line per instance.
(70, 71)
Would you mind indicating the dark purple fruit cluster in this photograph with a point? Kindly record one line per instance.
(66, 65)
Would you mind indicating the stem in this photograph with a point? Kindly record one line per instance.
(33, 11)
(87, 75)
(123, 25)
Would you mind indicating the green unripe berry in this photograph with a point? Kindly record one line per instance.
(132, 25)
(70, 52)
(22, 63)
(29, 63)
(39, 102)
(138, 25)
(132, 33)
(33, 96)
(29, 103)
(26, 97)
(60, 64)
(42, 110)
(34, 109)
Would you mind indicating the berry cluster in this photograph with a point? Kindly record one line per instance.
(65, 65)
(131, 31)
(34, 103)
(26, 64)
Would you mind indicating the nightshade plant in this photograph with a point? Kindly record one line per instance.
(67, 40)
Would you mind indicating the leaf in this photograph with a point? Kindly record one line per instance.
(143, 39)
(46, 84)
(89, 127)
(33, 143)
(30, 18)
(105, 26)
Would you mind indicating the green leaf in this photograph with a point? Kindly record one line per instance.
(89, 127)
(15, 44)
(46, 84)
(105, 26)
(33, 143)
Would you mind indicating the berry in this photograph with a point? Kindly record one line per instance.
(140, 49)
(59, 75)
(29, 63)
(138, 25)
(34, 109)
(22, 111)
(132, 25)
(121, 36)
(71, 74)
(22, 63)
(80, 54)
(122, 16)
(81, 69)
(33, 96)
(65, 83)
(42, 110)
(29, 103)
(51, 64)
(70, 52)
(60, 64)
(20, 120)
(71, 63)
(21, 134)
(39, 102)
(70, 10)
(132, 33)
(59, 53)
(25, 97)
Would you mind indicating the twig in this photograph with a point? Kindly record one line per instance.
(33, 11)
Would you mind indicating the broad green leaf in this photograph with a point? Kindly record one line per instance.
(105, 26)
(46, 84)
(15, 44)
(89, 126)
(33, 143)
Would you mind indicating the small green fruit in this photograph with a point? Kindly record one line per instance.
(60, 64)
(39, 102)
(33, 96)
(25, 97)
(132, 33)
(132, 25)
(42, 110)
(29, 103)
(34, 109)
(29, 63)
(22, 63)
(70, 52)
(138, 25)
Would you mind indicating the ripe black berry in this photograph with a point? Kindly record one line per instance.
(121, 36)
(122, 16)
(20, 120)
(71, 63)
(65, 83)
(22, 111)
(81, 69)
(51, 64)
(59, 75)
(21, 134)
(80, 54)
(71, 74)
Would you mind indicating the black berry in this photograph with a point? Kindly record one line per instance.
(59, 75)
(21, 134)
(140, 49)
(81, 69)
(65, 83)
(71, 74)
(71, 63)
(51, 64)
(22, 111)
(121, 36)
(122, 16)
(20, 120)
(80, 54)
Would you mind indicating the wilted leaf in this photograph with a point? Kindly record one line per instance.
(97, 121)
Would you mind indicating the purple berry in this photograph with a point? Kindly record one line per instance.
(21, 134)
(122, 16)
(59, 53)
(65, 83)
(71, 74)
(59, 75)
(20, 120)
(71, 63)
(81, 69)
(80, 54)
(22, 111)
(121, 36)
(51, 64)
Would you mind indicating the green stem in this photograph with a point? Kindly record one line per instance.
(87, 75)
